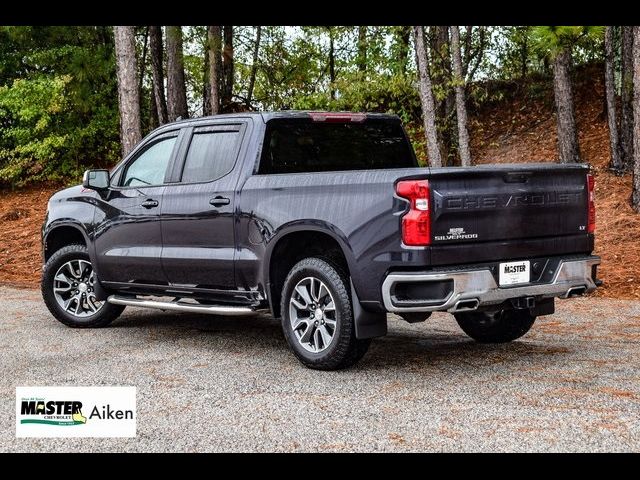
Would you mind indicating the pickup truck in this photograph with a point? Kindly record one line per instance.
(325, 220)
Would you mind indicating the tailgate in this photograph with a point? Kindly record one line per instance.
(508, 202)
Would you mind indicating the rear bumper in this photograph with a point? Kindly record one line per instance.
(471, 289)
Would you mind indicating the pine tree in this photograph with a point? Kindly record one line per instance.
(214, 35)
(227, 66)
(128, 96)
(461, 107)
(568, 146)
(176, 88)
(557, 44)
(157, 73)
(626, 123)
(635, 195)
(426, 98)
(254, 66)
(610, 93)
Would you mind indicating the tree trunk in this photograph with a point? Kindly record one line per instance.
(332, 65)
(610, 89)
(176, 89)
(153, 113)
(157, 74)
(635, 195)
(214, 35)
(568, 148)
(524, 56)
(206, 84)
(128, 98)
(254, 66)
(475, 60)
(626, 124)
(426, 98)
(362, 49)
(403, 36)
(143, 63)
(466, 56)
(227, 67)
(461, 108)
(441, 76)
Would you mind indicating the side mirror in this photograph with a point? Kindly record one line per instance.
(96, 179)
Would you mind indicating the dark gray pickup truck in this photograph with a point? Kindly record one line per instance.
(325, 220)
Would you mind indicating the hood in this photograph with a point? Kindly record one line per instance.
(75, 191)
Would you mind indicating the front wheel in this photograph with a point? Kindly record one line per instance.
(501, 326)
(68, 290)
(317, 316)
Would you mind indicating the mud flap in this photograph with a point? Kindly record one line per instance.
(368, 324)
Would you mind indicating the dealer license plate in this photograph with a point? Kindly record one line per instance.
(513, 273)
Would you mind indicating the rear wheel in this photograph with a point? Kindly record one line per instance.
(68, 290)
(500, 326)
(317, 316)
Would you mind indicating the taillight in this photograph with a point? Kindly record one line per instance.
(591, 187)
(416, 223)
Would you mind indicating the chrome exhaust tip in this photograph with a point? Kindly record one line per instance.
(576, 292)
(466, 305)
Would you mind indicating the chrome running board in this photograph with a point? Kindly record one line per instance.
(228, 310)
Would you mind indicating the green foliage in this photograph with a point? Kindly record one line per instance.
(391, 94)
(58, 92)
(58, 103)
(552, 40)
(33, 107)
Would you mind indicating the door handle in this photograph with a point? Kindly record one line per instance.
(149, 203)
(219, 201)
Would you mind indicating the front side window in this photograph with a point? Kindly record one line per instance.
(151, 165)
(211, 156)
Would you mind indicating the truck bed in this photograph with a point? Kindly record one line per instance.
(480, 214)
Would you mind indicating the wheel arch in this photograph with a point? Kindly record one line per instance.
(299, 240)
(302, 240)
(62, 234)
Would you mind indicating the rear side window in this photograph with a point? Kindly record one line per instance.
(211, 155)
(302, 145)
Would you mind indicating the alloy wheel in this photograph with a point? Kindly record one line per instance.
(312, 313)
(74, 288)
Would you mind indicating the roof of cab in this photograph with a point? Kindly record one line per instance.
(266, 116)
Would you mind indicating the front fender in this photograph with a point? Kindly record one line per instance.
(76, 211)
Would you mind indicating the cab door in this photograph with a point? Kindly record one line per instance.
(198, 218)
(128, 239)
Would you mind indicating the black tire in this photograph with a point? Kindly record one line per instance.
(103, 317)
(501, 326)
(345, 349)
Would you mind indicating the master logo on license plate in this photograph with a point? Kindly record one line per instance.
(513, 273)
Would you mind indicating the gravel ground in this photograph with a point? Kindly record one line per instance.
(218, 384)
